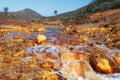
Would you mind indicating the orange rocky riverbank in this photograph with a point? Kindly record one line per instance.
(71, 53)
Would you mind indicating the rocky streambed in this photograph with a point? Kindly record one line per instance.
(60, 54)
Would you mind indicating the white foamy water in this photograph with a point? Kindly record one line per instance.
(108, 49)
(97, 76)
(43, 48)
(70, 67)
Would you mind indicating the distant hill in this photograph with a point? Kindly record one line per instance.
(94, 7)
(26, 14)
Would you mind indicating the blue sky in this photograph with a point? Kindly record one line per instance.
(44, 7)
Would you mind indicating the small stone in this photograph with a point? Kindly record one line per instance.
(68, 29)
(48, 64)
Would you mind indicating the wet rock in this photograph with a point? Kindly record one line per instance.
(41, 29)
(68, 29)
(81, 56)
(109, 45)
(115, 40)
(105, 60)
(47, 64)
(48, 75)
(117, 44)
(4, 77)
(17, 37)
(117, 60)
(18, 40)
(41, 38)
(15, 77)
(61, 77)
(101, 65)
(31, 43)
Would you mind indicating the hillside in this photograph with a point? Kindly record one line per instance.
(94, 7)
(3, 16)
(26, 14)
(110, 16)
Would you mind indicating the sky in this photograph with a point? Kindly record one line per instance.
(44, 7)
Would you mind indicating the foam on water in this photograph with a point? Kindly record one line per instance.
(98, 76)
(42, 48)
(108, 49)
(69, 66)
(29, 58)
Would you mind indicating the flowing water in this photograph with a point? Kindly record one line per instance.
(67, 71)
(69, 64)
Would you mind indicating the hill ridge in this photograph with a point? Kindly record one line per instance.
(25, 14)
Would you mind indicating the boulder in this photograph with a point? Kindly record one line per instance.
(41, 38)
(101, 65)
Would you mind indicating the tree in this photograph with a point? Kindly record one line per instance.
(6, 10)
(55, 12)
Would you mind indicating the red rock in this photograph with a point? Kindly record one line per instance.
(101, 65)
(117, 60)
(0, 49)
(4, 77)
(79, 55)
(47, 64)
(7, 59)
